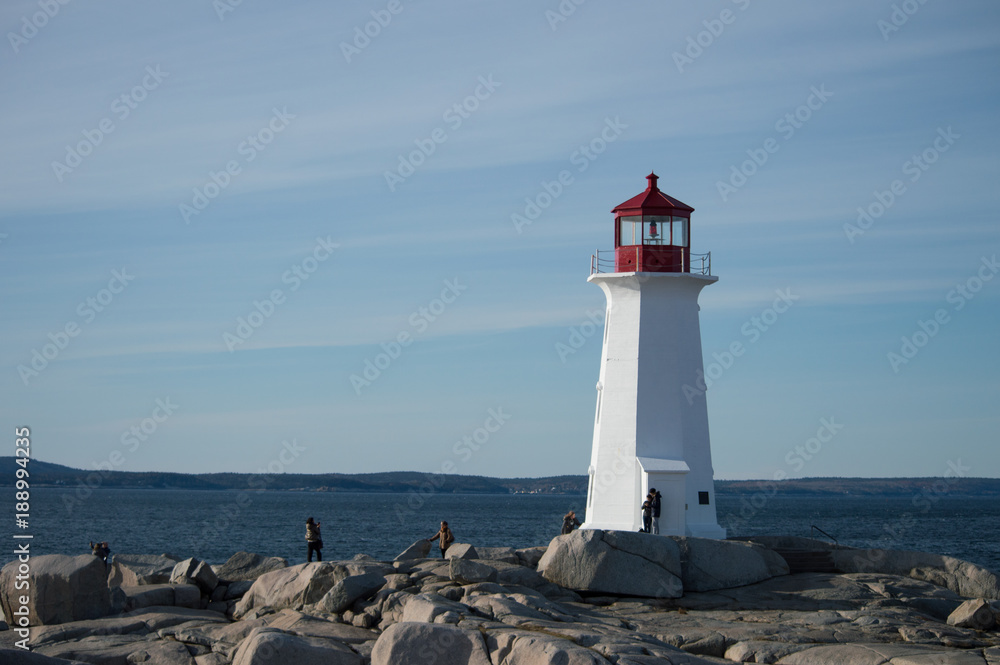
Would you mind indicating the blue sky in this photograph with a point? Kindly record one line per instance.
(116, 115)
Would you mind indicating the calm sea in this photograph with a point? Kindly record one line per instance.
(212, 525)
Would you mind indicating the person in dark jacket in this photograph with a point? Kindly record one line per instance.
(102, 550)
(444, 537)
(570, 522)
(314, 541)
(647, 513)
(656, 499)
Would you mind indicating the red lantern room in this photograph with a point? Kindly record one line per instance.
(653, 232)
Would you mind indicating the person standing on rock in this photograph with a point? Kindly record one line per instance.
(314, 541)
(444, 537)
(570, 522)
(647, 513)
(102, 550)
(656, 500)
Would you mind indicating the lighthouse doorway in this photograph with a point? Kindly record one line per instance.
(669, 478)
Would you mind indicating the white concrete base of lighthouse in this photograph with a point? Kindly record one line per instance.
(651, 425)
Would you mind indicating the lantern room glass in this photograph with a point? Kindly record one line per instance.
(679, 234)
(653, 230)
(628, 227)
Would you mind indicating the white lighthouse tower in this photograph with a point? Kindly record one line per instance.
(651, 426)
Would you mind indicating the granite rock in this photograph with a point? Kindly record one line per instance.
(140, 569)
(61, 588)
(422, 643)
(614, 562)
(247, 566)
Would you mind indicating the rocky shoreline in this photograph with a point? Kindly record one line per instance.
(588, 598)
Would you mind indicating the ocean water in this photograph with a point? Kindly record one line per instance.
(212, 525)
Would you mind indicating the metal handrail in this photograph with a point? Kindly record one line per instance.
(813, 527)
(706, 263)
(597, 263)
(700, 264)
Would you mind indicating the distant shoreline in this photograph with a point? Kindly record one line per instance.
(721, 493)
(55, 476)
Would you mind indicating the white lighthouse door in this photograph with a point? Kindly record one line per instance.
(671, 486)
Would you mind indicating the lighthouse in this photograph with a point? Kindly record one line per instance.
(651, 424)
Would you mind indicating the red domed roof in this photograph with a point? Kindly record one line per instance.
(653, 202)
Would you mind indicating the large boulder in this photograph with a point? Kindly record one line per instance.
(510, 575)
(529, 648)
(467, 571)
(964, 578)
(418, 550)
(461, 551)
(708, 564)
(120, 649)
(344, 593)
(303, 584)
(61, 589)
(423, 643)
(502, 554)
(140, 569)
(431, 608)
(193, 571)
(976, 614)
(761, 651)
(530, 556)
(161, 595)
(267, 646)
(246, 566)
(306, 625)
(614, 562)
(508, 610)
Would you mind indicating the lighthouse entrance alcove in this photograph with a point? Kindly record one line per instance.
(668, 477)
